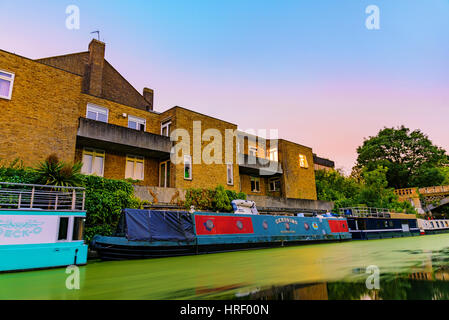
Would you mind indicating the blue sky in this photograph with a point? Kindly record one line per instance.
(308, 68)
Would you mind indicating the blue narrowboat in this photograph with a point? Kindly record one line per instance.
(41, 227)
(374, 223)
(150, 233)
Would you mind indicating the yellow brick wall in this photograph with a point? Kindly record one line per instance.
(297, 182)
(41, 117)
(115, 166)
(204, 175)
(116, 111)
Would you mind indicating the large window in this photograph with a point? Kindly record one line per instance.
(255, 184)
(78, 228)
(253, 151)
(230, 173)
(166, 128)
(273, 154)
(303, 161)
(274, 184)
(97, 113)
(63, 231)
(136, 123)
(93, 162)
(164, 174)
(188, 167)
(6, 84)
(134, 168)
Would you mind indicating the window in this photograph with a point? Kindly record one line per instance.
(275, 184)
(78, 229)
(164, 174)
(63, 228)
(97, 113)
(6, 84)
(93, 162)
(253, 151)
(273, 154)
(134, 168)
(188, 167)
(230, 173)
(303, 161)
(255, 184)
(137, 123)
(165, 128)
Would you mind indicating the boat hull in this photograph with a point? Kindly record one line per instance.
(228, 232)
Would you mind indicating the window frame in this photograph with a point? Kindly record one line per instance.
(188, 162)
(253, 148)
(306, 163)
(230, 166)
(166, 173)
(273, 180)
(94, 153)
(256, 179)
(273, 151)
(98, 109)
(69, 229)
(137, 120)
(135, 159)
(166, 124)
(11, 81)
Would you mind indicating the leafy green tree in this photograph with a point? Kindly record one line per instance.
(408, 155)
(57, 173)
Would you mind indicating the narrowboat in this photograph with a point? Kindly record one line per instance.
(41, 227)
(433, 226)
(150, 233)
(374, 223)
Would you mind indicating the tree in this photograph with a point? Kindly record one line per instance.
(56, 173)
(408, 155)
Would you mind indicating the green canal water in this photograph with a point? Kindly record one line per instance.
(410, 268)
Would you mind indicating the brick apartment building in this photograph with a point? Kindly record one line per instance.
(80, 108)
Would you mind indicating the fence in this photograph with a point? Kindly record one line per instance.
(41, 197)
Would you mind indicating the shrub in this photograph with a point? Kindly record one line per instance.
(218, 199)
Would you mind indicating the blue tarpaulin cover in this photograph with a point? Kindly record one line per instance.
(152, 225)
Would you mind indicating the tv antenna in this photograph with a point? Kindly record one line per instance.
(98, 33)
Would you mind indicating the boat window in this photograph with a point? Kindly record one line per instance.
(63, 228)
(78, 229)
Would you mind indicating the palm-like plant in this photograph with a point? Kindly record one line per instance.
(57, 173)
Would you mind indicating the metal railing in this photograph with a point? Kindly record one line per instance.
(365, 212)
(41, 197)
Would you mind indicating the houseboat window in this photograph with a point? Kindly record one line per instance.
(6, 84)
(134, 167)
(303, 161)
(230, 173)
(93, 162)
(188, 167)
(274, 184)
(97, 113)
(78, 229)
(137, 123)
(255, 184)
(165, 128)
(273, 154)
(63, 228)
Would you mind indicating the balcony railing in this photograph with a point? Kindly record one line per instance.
(366, 212)
(41, 197)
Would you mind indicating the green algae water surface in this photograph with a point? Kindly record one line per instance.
(410, 268)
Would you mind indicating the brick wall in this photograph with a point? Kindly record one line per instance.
(41, 117)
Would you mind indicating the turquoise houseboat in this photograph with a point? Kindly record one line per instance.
(41, 227)
(150, 233)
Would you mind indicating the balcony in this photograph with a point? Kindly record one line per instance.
(258, 166)
(96, 134)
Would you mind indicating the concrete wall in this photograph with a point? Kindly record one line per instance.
(285, 203)
(159, 195)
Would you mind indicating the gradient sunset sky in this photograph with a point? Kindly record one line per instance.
(308, 68)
